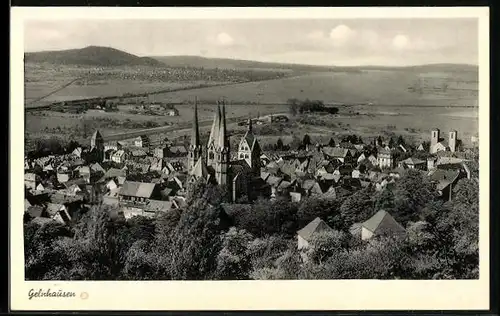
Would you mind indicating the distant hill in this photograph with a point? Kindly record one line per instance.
(107, 56)
(226, 63)
(447, 67)
(91, 55)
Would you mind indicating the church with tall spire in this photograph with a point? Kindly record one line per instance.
(214, 164)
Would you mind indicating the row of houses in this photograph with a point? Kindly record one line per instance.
(334, 171)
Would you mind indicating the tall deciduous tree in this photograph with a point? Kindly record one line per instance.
(233, 260)
(358, 207)
(411, 194)
(196, 242)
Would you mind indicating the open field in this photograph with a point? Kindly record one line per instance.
(372, 102)
(50, 123)
(102, 89)
(413, 123)
(377, 87)
(42, 78)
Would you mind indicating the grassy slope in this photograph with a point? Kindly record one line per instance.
(91, 55)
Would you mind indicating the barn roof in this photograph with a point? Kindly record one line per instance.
(315, 226)
(382, 222)
(137, 189)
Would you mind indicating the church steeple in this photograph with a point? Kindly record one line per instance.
(249, 149)
(249, 124)
(195, 133)
(222, 128)
(195, 150)
(97, 146)
(223, 154)
(213, 139)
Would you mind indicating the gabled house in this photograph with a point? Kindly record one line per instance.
(112, 145)
(137, 192)
(62, 177)
(295, 196)
(361, 158)
(156, 165)
(40, 187)
(36, 211)
(111, 197)
(284, 188)
(31, 181)
(422, 147)
(77, 152)
(119, 156)
(336, 192)
(141, 141)
(96, 168)
(264, 175)
(73, 190)
(48, 167)
(274, 181)
(356, 174)
(342, 154)
(373, 160)
(58, 212)
(111, 185)
(306, 234)
(445, 181)
(385, 158)
(381, 224)
(413, 163)
(311, 188)
(264, 159)
(156, 207)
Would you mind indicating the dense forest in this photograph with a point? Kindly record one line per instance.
(209, 239)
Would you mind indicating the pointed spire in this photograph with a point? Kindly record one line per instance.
(222, 127)
(249, 123)
(214, 132)
(195, 136)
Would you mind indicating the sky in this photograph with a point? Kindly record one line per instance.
(390, 42)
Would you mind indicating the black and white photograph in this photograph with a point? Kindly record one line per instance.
(251, 149)
(205, 148)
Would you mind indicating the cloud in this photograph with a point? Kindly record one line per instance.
(224, 39)
(342, 34)
(401, 42)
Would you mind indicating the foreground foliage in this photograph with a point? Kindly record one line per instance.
(258, 241)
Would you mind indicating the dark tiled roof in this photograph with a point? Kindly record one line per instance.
(441, 174)
(35, 210)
